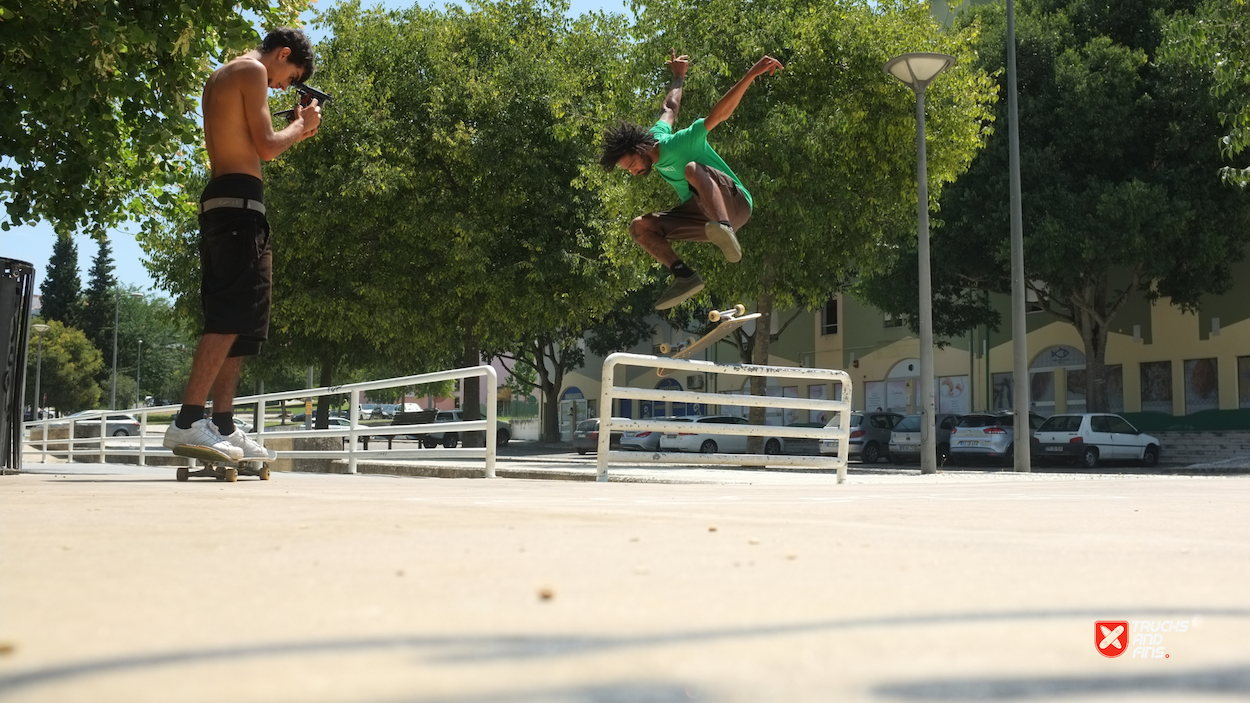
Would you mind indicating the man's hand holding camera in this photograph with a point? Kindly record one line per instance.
(311, 115)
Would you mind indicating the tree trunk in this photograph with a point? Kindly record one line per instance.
(550, 422)
(471, 390)
(1094, 335)
(759, 355)
(323, 403)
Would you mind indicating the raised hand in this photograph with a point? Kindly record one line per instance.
(679, 64)
(767, 65)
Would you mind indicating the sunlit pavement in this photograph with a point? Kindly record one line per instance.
(118, 583)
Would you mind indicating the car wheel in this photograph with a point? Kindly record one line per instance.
(581, 452)
(502, 437)
(1150, 457)
(708, 447)
(1089, 458)
(871, 453)
(121, 432)
(450, 440)
(772, 447)
(1009, 456)
(429, 442)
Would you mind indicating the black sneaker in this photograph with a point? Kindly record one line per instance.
(723, 237)
(680, 290)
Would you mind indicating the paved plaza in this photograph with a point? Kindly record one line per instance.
(118, 583)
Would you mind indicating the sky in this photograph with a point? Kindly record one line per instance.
(33, 243)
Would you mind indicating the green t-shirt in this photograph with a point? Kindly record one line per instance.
(680, 148)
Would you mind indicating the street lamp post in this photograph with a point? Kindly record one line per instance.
(1019, 330)
(138, 369)
(918, 70)
(117, 306)
(39, 330)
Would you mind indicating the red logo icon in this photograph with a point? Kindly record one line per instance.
(1111, 637)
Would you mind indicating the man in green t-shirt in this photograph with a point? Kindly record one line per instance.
(714, 203)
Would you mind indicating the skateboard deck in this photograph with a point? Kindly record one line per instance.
(729, 320)
(219, 468)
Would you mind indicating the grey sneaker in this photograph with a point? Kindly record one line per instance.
(201, 441)
(723, 236)
(251, 450)
(680, 289)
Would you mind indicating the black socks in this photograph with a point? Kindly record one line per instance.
(189, 414)
(681, 270)
(224, 422)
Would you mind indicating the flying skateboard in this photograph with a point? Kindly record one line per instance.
(729, 320)
(219, 467)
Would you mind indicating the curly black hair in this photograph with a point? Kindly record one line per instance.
(624, 138)
(299, 44)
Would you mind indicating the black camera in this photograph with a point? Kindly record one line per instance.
(306, 95)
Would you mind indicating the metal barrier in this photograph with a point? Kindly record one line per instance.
(151, 446)
(610, 391)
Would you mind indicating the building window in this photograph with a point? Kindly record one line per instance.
(1156, 387)
(1243, 381)
(1002, 391)
(1202, 385)
(891, 321)
(829, 322)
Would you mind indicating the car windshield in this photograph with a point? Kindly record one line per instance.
(587, 425)
(911, 423)
(1061, 423)
(980, 421)
(837, 417)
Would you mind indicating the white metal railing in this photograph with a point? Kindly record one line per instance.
(105, 445)
(611, 390)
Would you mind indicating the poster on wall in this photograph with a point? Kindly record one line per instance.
(896, 395)
(817, 393)
(791, 415)
(953, 395)
(874, 395)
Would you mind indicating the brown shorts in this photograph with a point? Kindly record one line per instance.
(686, 221)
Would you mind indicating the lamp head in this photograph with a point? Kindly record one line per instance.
(918, 69)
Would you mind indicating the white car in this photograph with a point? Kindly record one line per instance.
(1089, 438)
(703, 437)
(647, 440)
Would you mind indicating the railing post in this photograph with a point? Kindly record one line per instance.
(607, 380)
(143, 437)
(353, 416)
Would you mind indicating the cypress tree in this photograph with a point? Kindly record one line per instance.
(61, 287)
(100, 296)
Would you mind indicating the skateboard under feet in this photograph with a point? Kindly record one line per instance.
(729, 320)
(219, 467)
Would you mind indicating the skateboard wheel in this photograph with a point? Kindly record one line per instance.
(713, 316)
(742, 309)
(664, 348)
(231, 475)
(263, 473)
(184, 473)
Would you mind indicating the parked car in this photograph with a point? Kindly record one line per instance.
(905, 438)
(647, 440)
(449, 440)
(703, 437)
(794, 445)
(988, 436)
(385, 411)
(245, 426)
(586, 436)
(1088, 438)
(870, 436)
(119, 425)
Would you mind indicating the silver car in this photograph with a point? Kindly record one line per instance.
(870, 436)
(87, 424)
(988, 436)
(647, 440)
(905, 439)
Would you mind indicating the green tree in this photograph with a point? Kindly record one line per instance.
(1216, 39)
(99, 300)
(1116, 167)
(97, 100)
(60, 293)
(70, 365)
(826, 147)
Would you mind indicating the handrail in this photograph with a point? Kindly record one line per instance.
(607, 423)
(352, 454)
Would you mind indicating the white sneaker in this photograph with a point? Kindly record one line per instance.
(201, 441)
(251, 450)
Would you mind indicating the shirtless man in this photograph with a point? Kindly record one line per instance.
(714, 203)
(235, 257)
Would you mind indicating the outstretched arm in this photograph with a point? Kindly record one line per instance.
(729, 101)
(672, 101)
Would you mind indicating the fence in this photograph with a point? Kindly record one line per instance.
(607, 424)
(144, 446)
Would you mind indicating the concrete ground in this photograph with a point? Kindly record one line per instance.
(119, 584)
